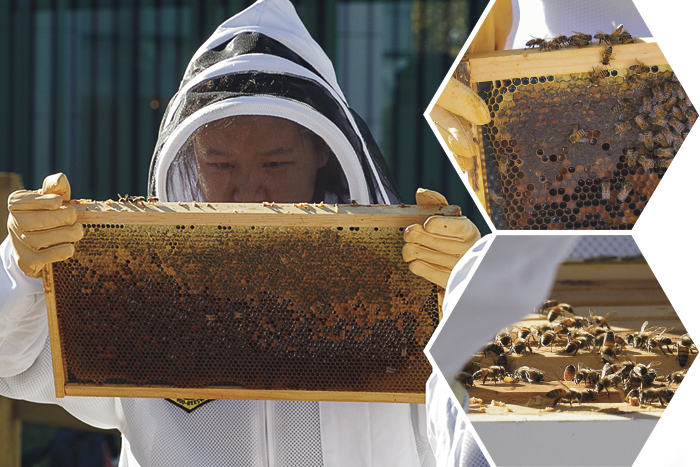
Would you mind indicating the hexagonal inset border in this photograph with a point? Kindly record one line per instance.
(510, 264)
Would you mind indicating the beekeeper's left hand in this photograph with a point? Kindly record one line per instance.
(433, 249)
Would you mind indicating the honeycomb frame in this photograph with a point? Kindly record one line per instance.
(137, 312)
(544, 181)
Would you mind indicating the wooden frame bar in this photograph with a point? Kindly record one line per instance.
(142, 213)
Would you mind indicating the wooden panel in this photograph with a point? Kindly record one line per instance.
(317, 304)
(599, 284)
(489, 66)
(256, 214)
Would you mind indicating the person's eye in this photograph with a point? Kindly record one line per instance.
(222, 166)
(276, 164)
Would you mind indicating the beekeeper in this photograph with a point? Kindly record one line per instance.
(259, 117)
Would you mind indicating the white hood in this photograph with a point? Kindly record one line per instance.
(293, 78)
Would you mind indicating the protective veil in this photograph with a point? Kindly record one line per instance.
(264, 62)
(261, 62)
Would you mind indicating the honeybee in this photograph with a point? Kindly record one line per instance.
(547, 305)
(601, 320)
(569, 372)
(504, 338)
(636, 83)
(586, 375)
(624, 192)
(608, 382)
(668, 90)
(665, 152)
(494, 347)
(599, 76)
(676, 125)
(664, 138)
(573, 345)
(641, 123)
(534, 42)
(465, 379)
(646, 138)
(605, 186)
(524, 332)
(647, 105)
(660, 394)
(664, 163)
(623, 126)
(609, 340)
(502, 360)
(531, 375)
(569, 320)
(670, 104)
(632, 155)
(639, 339)
(571, 395)
(678, 115)
(560, 41)
(495, 372)
(646, 162)
(556, 312)
(682, 352)
(675, 377)
(576, 135)
(607, 56)
(580, 39)
(642, 370)
(640, 68)
(547, 338)
(519, 346)
(631, 396)
(658, 120)
(659, 341)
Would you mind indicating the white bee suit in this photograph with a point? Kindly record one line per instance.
(269, 42)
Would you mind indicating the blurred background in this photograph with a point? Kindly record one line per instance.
(85, 84)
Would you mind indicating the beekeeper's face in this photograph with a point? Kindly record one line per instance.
(251, 159)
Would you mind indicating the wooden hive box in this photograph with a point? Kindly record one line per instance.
(627, 288)
(287, 302)
(526, 161)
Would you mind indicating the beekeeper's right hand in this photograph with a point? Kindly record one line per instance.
(458, 110)
(41, 229)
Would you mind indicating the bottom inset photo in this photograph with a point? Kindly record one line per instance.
(561, 341)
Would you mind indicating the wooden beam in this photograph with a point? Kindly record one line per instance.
(305, 214)
(506, 64)
(163, 392)
(10, 435)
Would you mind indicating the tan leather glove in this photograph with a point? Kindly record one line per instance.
(457, 112)
(41, 229)
(433, 249)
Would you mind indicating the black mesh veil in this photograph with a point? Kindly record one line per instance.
(245, 71)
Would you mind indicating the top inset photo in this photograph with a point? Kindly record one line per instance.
(563, 115)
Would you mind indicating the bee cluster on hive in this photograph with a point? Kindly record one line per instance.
(580, 360)
(582, 150)
(288, 308)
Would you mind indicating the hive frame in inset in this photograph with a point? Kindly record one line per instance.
(489, 66)
(100, 214)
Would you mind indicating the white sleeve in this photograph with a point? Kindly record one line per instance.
(489, 291)
(26, 371)
(449, 432)
(23, 322)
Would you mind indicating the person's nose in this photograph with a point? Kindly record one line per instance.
(250, 188)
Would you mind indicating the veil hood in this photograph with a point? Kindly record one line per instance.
(264, 62)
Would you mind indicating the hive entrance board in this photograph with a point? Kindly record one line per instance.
(242, 302)
(530, 175)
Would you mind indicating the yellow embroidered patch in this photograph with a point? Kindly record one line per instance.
(188, 404)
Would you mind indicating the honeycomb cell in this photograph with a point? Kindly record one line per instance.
(277, 308)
